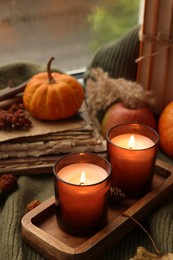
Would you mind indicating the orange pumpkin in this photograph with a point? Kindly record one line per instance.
(53, 96)
(165, 129)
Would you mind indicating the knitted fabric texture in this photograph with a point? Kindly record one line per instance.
(18, 72)
(118, 57)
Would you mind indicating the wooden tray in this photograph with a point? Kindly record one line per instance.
(41, 231)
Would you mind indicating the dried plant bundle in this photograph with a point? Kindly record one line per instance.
(102, 91)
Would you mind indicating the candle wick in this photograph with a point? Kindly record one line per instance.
(81, 183)
(130, 148)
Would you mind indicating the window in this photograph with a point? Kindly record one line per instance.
(69, 30)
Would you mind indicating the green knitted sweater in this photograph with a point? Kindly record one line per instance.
(118, 57)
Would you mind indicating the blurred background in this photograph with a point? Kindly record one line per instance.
(70, 30)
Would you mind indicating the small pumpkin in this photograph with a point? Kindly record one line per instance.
(165, 129)
(52, 95)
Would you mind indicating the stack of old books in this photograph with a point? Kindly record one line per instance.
(77, 134)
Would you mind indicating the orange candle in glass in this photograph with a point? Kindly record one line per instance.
(82, 181)
(132, 151)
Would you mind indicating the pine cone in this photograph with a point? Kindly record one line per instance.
(115, 195)
(8, 184)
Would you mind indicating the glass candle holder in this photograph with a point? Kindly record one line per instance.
(82, 181)
(132, 151)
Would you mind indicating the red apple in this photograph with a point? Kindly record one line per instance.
(119, 114)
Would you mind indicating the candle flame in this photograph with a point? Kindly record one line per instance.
(82, 178)
(131, 143)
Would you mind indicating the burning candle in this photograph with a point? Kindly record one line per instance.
(82, 181)
(132, 151)
(132, 142)
(82, 173)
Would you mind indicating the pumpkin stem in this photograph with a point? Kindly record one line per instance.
(50, 78)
